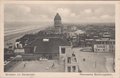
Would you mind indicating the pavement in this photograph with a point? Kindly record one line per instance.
(38, 66)
(87, 61)
(94, 62)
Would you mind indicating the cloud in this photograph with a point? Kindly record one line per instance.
(64, 12)
(88, 11)
(69, 13)
(20, 9)
(17, 12)
(98, 10)
(106, 16)
(25, 9)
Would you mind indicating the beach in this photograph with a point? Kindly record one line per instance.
(15, 30)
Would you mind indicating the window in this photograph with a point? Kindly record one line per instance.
(69, 69)
(103, 50)
(113, 42)
(63, 50)
(73, 54)
(97, 49)
(74, 68)
(75, 59)
(69, 60)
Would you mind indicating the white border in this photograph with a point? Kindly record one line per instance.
(62, 75)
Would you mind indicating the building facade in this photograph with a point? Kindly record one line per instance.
(67, 55)
(104, 45)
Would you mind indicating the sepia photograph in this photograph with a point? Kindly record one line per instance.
(59, 38)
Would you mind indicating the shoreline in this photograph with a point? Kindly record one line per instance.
(12, 37)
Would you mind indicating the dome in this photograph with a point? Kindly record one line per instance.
(57, 17)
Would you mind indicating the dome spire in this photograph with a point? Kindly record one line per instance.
(57, 17)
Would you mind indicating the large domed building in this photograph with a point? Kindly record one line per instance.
(57, 20)
(58, 24)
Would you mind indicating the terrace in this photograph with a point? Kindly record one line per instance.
(38, 66)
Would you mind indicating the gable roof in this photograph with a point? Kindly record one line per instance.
(50, 46)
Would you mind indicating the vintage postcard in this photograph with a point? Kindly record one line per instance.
(59, 39)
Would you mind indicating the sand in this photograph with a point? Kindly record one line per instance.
(12, 37)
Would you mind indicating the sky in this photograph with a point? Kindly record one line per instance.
(70, 13)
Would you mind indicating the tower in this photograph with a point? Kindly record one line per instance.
(57, 20)
(58, 24)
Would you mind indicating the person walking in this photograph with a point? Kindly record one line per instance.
(24, 65)
(53, 65)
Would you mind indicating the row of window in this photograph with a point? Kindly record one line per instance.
(101, 46)
(105, 46)
(105, 42)
(100, 49)
(69, 60)
(103, 50)
(71, 68)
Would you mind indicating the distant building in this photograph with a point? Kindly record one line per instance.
(18, 45)
(19, 51)
(103, 45)
(106, 35)
(58, 24)
(18, 48)
(89, 42)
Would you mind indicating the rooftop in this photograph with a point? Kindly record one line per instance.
(52, 44)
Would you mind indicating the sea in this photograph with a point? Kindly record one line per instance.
(15, 30)
(20, 27)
